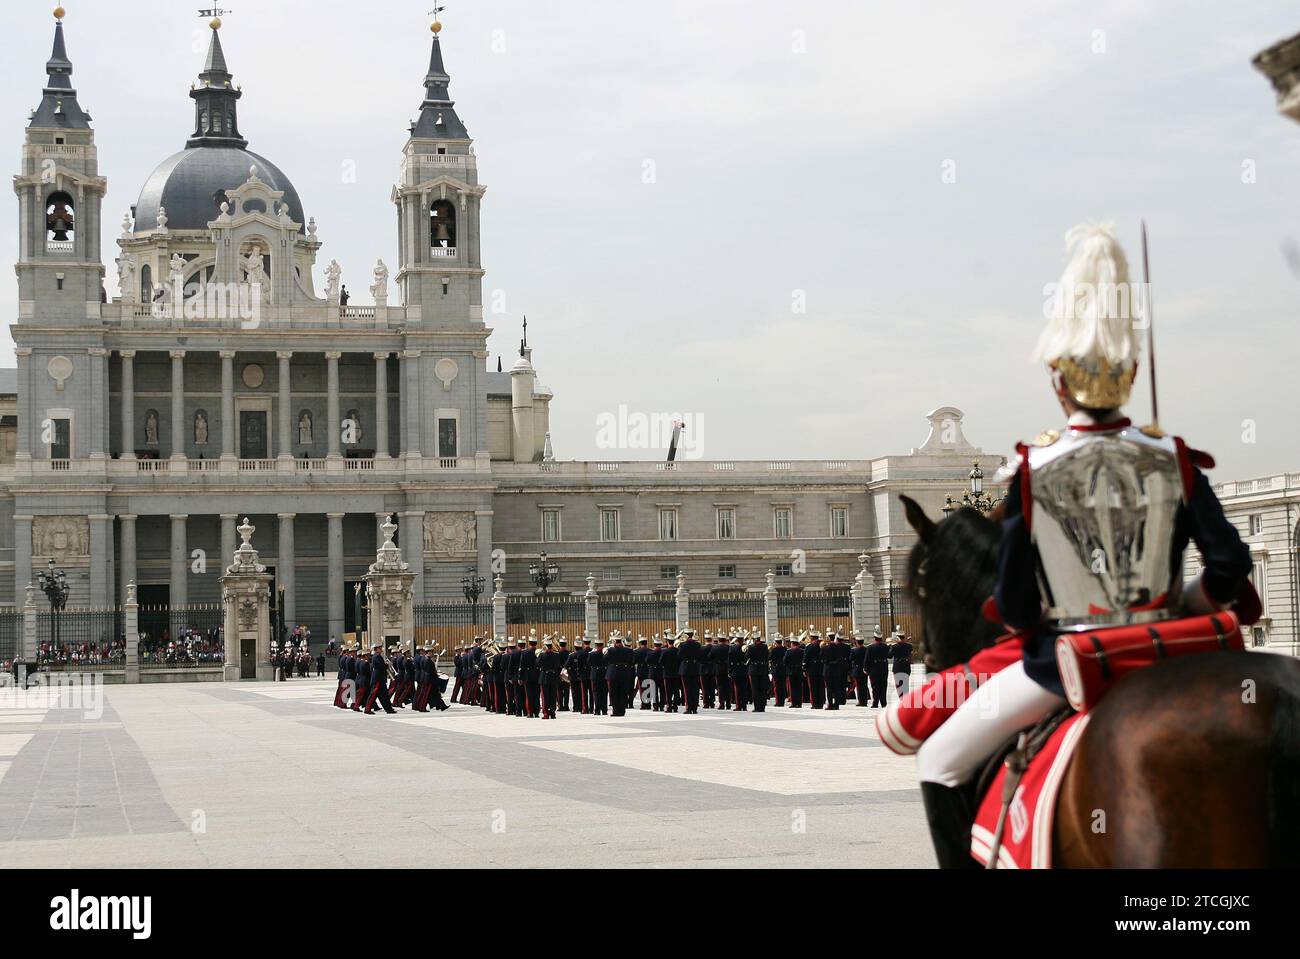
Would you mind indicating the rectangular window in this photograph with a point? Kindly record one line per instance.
(550, 526)
(839, 521)
(667, 524)
(727, 523)
(61, 440)
(782, 522)
(784, 569)
(1259, 576)
(612, 574)
(1256, 524)
(669, 572)
(609, 525)
(726, 572)
(447, 437)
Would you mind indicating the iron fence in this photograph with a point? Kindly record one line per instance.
(445, 626)
(181, 637)
(77, 639)
(637, 615)
(545, 610)
(898, 610)
(726, 611)
(11, 635)
(823, 611)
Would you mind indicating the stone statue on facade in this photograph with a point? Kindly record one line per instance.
(151, 428)
(333, 280)
(304, 429)
(379, 290)
(200, 428)
(352, 431)
(176, 274)
(126, 271)
(256, 270)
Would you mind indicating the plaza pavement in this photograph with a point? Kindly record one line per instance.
(271, 775)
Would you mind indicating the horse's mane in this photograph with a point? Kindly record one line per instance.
(950, 575)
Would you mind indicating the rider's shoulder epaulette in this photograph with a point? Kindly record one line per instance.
(1153, 431)
(1046, 438)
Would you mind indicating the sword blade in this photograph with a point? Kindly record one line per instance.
(1149, 310)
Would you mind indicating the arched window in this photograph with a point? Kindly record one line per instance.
(60, 218)
(146, 284)
(442, 225)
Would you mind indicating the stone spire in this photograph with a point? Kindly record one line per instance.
(216, 115)
(438, 119)
(59, 107)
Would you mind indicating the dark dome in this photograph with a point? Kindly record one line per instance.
(191, 185)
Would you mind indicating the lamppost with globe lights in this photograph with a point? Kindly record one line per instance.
(54, 584)
(471, 584)
(543, 572)
(974, 497)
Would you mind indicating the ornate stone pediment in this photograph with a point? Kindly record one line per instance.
(60, 537)
(450, 533)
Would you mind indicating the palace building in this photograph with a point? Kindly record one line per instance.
(230, 378)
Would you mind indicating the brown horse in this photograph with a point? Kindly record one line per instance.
(1193, 762)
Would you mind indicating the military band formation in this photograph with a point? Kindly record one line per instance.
(669, 673)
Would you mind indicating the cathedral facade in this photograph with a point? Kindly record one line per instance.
(234, 377)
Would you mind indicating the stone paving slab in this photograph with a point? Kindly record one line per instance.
(271, 775)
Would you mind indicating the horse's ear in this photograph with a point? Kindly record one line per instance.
(917, 519)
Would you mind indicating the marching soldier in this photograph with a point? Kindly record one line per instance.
(738, 670)
(689, 653)
(779, 676)
(654, 659)
(584, 675)
(835, 661)
(378, 689)
(363, 681)
(497, 670)
(640, 663)
(433, 684)
(878, 667)
(512, 677)
(901, 654)
(530, 677)
(670, 660)
(794, 672)
(618, 674)
(718, 654)
(757, 660)
(573, 666)
(549, 664)
(562, 683)
(596, 674)
(419, 688)
(708, 684)
(858, 670)
(342, 693)
(814, 668)
(457, 673)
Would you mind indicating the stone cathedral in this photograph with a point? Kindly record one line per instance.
(233, 377)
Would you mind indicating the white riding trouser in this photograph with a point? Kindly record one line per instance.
(1006, 703)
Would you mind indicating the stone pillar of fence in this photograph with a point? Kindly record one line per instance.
(246, 599)
(131, 629)
(683, 603)
(29, 628)
(592, 609)
(771, 612)
(866, 605)
(499, 609)
(390, 594)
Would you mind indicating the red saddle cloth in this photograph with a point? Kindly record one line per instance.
(1092, 662)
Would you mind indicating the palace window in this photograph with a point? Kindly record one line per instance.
(60, 438)
(727, 572)
(668, 524)
(839, 521)
(727, 523)
(612, 574)
(669, 572)
(784, 569)
(782, 522)
(609, 532)
(1256, 524)
(550, 526)
(448, 438)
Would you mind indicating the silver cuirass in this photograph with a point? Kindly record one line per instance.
(1104, 506)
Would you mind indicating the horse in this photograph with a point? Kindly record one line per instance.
(1193, 762)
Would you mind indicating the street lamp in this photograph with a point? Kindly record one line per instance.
(54, 584)
(974, 497)
(543, 572)
(472, 585)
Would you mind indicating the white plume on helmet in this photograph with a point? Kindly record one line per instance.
(1091, 319)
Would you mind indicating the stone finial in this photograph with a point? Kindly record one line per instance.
(388, 558)
(500, 584)
(162, 219)
(127, 226)
(771, 579)
(312, 228)
(245, 558)
(591, 586)
(130, 593)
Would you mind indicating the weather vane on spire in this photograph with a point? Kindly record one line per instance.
(215, 13)
(523, 344)
(436, 26)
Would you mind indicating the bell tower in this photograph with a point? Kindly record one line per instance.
(438, 198)
(60, 196)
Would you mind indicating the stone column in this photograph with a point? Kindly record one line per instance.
(428, 422)
(98, 411)
(683, 603)
(591, 610)
(229, 428)
(286, 407)
(499, 609)
(335, 605)
(866, 605)
(335, 425)
(128, 404)
(411, 404)
(284, 568)
(131, 626)
(180, 563)
(229, 537)
(771, 611)
(483, 534)
(101, 560)
(381, 406)
(25, 409)
(29, 626)
(178, 405)
(412, 534)
(128, 560)
(22, 554)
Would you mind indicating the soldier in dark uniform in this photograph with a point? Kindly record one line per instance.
(562, 687)
(363, 681)
(878, 668)
(641, 665)
(689, 654)
(708, 688)
(584, 674)
(549, 664)
(779, 676)
(378, 689)
(419, 688)
(654, 659)
(511, 675)
(901, 655)
(521, 695)
(618, 674)
(433, 683)
(718, 654)
(341, 694)
(794, 672)
(596, 676)
(478, 657)
(814, 668)
(497, 670)
(671, 661)
(738, 670)
(858, 669)
(531, 678)
(573, 667)
(457, 672)
(835, 657)
(757, 661)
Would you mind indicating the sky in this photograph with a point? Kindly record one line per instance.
(800, 225)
